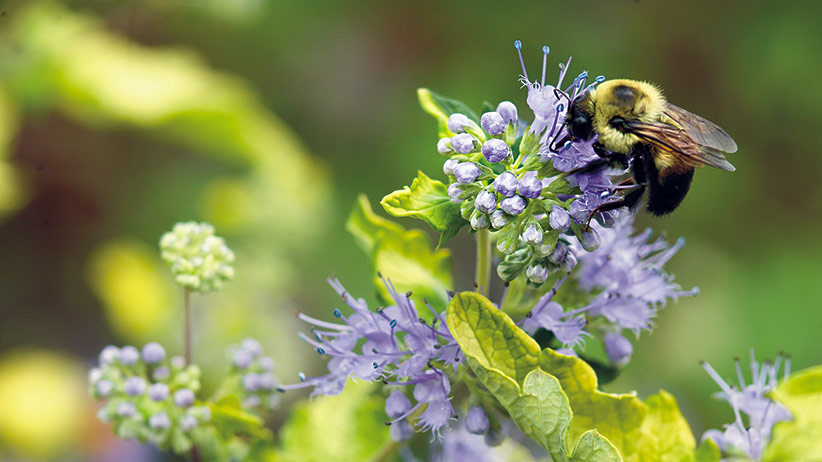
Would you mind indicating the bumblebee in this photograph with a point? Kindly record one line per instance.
(661, 143)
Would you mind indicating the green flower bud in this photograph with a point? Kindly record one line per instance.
(199, 260)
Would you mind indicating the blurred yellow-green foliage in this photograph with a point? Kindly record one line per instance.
(120, 118)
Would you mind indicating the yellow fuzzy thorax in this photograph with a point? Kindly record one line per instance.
(646, 104)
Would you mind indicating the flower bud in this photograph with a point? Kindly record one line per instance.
(485, 202)
(94, 375)
(559, 254)
(529, 186)
(188, 423)
(607, 219)
(457, 123)
(559, 219)
(506, 184)
(463, 143)
(266, 363)
(129, 355)
(513, 205)
(508, 111)
(252, 346)
(479, 220)
(159, 421)
(397, 404)
(569, 263)
(537, 273)
(532, 235)
(183, 397)
(135, 386)
(251, 381)
(158, 392)
(104, 387)
(454, 192)
(618, 348)
(494, 438)
(109, 354)
(178, 362)
(153, 353)
(590, 240)
(499, 219)
(161, 373)
(449, 166)
(444, 146)
(126, 410)
(492, 123)
(495, 150)
(401, 431)
(242, 359)
(466, 172)
(477, 421)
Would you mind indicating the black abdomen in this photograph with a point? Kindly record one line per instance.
(666, 191)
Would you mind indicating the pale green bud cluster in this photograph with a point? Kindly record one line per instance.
(200, 261)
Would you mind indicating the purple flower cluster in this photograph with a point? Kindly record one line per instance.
(257, 379)
(394, 345)
(626, 271)
(750, 399)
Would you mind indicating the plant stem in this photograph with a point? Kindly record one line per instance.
(483, 270)
(187, 324)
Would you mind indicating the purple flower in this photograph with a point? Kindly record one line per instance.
(567, 327)
(391, 344)
(559, 219)
(126, 410)
(499, 219)
(153, 353)
(397, 404)
(513, 205)
(485, 202)
(466, 172)
(506, 184)
(401, 431)
(628, 270)
(529, 186)
(750, 399)
(477, 421)
(492, 123)
(618, 348)
(495, 150)
(463, 143)
(532, 235)
(508, 111)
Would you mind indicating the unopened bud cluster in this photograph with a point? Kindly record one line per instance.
(200, 261)
(148, 396)
(258, 384)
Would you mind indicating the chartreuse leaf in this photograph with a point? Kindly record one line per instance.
(593, 447)
(349, 426)
(427, 200)
(441, 108)
(510, 364)
(505, 359)
(799, 439)
(708, 451)
(403, 256)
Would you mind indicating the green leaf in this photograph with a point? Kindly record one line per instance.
(617, 417)
(441, 108)
(404, 257)
(230, 419)
(801, 438)
(593, 447)
(707, 452)
(427, 200)
(349, 426)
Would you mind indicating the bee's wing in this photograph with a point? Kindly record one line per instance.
(679, 143)
(702, 131)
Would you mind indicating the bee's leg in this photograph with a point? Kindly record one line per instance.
(554, 147)
(629, 200)
(613, 158)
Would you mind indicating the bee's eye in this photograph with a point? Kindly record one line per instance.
(618, 123)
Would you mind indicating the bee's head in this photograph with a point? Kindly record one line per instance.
(616, 103)
(579, 120)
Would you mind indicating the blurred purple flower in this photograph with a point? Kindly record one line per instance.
(750, 399)
(393, 345)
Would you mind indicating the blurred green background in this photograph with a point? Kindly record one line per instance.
(267, 118)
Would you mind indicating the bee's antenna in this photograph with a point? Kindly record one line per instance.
(518, 46)
(545, 51)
